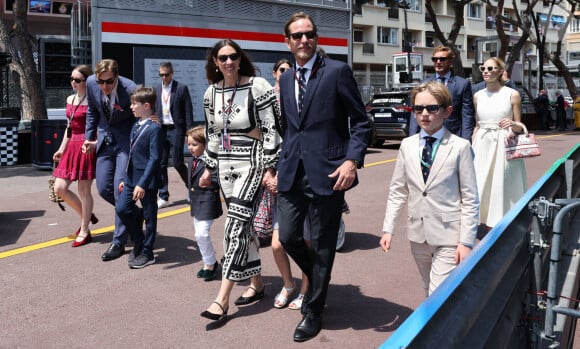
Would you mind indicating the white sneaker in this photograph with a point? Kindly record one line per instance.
(162, 203)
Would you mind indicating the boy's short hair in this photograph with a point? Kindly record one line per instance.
(144, 95)
(436, 89)
(197, 133)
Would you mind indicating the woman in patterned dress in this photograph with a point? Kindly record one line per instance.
(73, 164)
(244, 144)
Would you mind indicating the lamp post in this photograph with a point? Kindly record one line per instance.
(406, 42)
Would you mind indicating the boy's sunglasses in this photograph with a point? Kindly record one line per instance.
(298, 35)
(224, 58)
(431, 109)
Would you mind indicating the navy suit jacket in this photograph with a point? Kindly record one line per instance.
(122, 118)
(462, 120)
(320, 135)
(179, 105)
(205, 203)
(145, 156)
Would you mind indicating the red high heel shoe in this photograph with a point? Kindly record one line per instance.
(84, 241)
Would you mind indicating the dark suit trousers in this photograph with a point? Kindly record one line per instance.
(111, 165)
(129, 214)
(316, 262)
(172, 144)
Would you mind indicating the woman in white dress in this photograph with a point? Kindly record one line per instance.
(244, 145)
(500, 182)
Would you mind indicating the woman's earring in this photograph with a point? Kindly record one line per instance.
(217, 70)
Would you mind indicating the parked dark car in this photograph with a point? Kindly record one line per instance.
(390, 113)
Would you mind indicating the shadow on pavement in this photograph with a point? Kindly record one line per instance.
(14, 223)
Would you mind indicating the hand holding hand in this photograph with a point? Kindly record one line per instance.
(89, 147)
(205, 179)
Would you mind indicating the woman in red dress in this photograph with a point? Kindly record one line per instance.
(73, 164)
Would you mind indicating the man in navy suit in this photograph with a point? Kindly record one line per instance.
(325, 136)
(174, 109)
(142, 180)
(109, 123)
(462, 120)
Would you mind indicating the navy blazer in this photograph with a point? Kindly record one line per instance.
(179, 105)
(462, 120)
(145, 156)
(331, 128)
(122, 118)
(205, 203)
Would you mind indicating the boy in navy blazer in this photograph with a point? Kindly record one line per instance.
(142, 180)
(205, 202)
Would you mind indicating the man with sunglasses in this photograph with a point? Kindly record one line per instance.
(108, 131)
(462, 120)
(325, 136)
(174, 110)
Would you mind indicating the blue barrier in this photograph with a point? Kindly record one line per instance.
(490, 300)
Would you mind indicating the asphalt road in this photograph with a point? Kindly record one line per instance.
(54, 296)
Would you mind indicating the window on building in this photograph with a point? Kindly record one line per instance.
(415, 5)
(474, 10)
(358, 36)
(387, 35)
(575, 26)
(574, 56)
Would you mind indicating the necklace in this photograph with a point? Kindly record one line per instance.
(226, 111)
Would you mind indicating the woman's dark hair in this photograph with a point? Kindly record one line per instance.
(84, 69)
(211, 70)
(280, 62)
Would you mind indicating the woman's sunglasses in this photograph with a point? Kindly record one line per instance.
(281, 69)
(78, 81)
(224, 58)
(482, 68)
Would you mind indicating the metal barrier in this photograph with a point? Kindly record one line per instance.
(495, 298)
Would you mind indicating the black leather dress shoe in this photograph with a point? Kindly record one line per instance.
(113, 252)
(308, 328)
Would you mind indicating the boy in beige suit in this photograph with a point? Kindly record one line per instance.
(435, 176)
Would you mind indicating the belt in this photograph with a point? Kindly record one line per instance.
(168, 127)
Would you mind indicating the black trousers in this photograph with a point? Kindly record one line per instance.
(315, 261)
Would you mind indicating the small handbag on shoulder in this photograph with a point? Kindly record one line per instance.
(521, 145)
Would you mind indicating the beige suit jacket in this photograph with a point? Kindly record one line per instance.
(444, 211)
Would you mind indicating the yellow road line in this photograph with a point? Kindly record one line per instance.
(68, 239)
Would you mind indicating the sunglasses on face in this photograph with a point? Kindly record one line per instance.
(442, 59)
(431, 109)
(107, 82)
(483, 68)
(281, 69)
(164, 75)
(224, 58)
(78, 81)
(298, 35)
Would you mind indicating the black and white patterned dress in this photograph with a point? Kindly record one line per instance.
(254, 146)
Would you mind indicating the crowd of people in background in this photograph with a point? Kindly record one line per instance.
(304, 154)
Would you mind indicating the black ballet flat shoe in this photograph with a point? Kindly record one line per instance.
(215, 317)
(247, 300)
